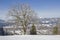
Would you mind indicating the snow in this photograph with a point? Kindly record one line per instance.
(30, 37)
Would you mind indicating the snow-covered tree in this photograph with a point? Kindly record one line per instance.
(22, 15)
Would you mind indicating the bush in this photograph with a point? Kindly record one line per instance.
(33, 30)
(55, 30)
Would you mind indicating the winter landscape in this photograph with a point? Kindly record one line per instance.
(29, 19)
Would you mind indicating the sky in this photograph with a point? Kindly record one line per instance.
(43, 8)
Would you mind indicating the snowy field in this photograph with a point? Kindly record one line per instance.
(30, 37)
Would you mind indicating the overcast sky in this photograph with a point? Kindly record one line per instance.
(43, 8)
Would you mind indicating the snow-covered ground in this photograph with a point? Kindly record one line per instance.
(30, 37)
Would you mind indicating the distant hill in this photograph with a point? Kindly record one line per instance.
(40, 20)
(49, 20)
(4, 23)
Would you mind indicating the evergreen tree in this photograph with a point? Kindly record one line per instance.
(33, 30)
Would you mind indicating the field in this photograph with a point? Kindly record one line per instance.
(30, 37)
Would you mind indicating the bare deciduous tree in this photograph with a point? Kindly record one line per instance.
(22, 15)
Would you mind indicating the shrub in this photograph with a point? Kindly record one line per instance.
(55, 30)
